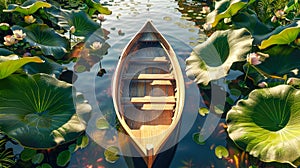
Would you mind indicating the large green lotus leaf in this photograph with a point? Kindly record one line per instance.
(29, 7)
(225, 9)
(38, 111)
(50, 42)
(282, 61)
(251, 23)
(267, 124)
(49, 67)
(10, 66)
(97, 6)
(281, 35)
(83, 24)
(212, 59)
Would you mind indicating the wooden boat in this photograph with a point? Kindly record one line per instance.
(148, 92)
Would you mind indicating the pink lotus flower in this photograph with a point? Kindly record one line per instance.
(9, 40)
(18, 34)
(279, 14)
(253, 59)
(205, 9)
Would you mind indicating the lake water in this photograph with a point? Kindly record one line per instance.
(127, 18)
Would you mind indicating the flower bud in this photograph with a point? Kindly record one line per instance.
(279, 14)
(274, 19)
(72, 29)
(205, 9)
(253, 59)
(101, 18)
(29, 19)
(207, 26)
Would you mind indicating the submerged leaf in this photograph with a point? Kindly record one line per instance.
(212, 59)
(198, 138)
(10, 66)
(267, 124)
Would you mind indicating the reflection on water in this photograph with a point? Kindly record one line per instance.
(127, 18)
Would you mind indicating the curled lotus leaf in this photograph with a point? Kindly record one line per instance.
(29, 7)
(38, 111)
(212, 59)
(267, 124)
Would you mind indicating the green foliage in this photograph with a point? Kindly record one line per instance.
(212, 59)
(29, 7)
(63, 158)
(7, 158)
(10, 66)
(265, 125)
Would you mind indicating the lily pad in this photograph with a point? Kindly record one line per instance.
(50, 42)
(267, 124)
(112, 154)
(203, 111)
(38, 111)
(281, 35)
(10, 66)
(221, 151)
(198, 138)
(63, 158)
(225, 9)
(29, 7)
(95, 5)
(212, 59)
(101, 123)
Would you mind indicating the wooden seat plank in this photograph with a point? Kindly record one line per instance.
(151, 99)
(157, 107)
(149, 59)
(161, 82)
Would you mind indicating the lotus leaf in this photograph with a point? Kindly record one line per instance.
(267, 124)
(83, 24)
(50, 42)
(212, 59)
(95, 4)
(38, 111)
(281, 35)
(225, 9)
(282, 61)
(29, 7)
(251, 23)
(10, 66)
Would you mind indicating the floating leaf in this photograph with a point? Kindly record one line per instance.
(29, 7)
(281, 35)
(225, 9)
(50, 42)
(38, 158)
(38, 110)
(97, 6)
(267, 124)
(83, 24)
(10, 66)
(101, 123)
(221, 151)
(63, 158)
(112, 154)
(212, 59)
(83, 141)
(198, 138)
(49, 67)
(203, 111)
(27, 154)
(45, 165)
(219, 109)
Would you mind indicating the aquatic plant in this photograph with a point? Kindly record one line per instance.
(266, 124)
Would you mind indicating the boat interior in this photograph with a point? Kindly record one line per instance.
(148, 89)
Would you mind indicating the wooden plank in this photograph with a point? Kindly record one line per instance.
(157, 106)
(156, 76)
(151, 99)
(161, 82)
(149, 59)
